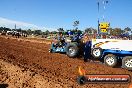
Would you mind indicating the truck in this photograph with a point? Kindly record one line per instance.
(111, 52)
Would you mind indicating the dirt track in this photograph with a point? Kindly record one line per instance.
(56, 68)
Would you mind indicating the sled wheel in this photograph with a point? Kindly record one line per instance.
(127, 62)
(96, 52)
(110, 60)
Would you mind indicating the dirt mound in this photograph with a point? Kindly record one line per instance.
(15, 77)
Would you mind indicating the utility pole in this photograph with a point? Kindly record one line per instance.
(98, 18)
(15, 27)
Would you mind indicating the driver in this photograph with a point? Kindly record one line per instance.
(60, 39)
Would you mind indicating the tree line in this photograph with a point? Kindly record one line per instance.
(111, 31)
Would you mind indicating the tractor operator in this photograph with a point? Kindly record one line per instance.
(60, 39)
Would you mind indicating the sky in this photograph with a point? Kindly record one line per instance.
(54, 14)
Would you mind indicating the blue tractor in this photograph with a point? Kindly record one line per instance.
(69, 46)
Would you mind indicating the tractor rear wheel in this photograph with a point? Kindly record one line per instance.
(72, 50)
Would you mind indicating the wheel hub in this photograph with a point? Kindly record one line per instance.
(110, 60)
(96, 52)
(71, 50)
(128, 63)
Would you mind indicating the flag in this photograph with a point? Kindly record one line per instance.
(106, 1)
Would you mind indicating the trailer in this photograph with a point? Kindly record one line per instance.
(111, 51)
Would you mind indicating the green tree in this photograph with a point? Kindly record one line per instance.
(60, 30)
(110, 31)
(29, 31)
(75, 24)
(54, 32)
(24, 31)
(19, 30)
(117, 31)
(47, 32)
(4, 29)
(37, 32)
(127, 29)
(88, 30)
